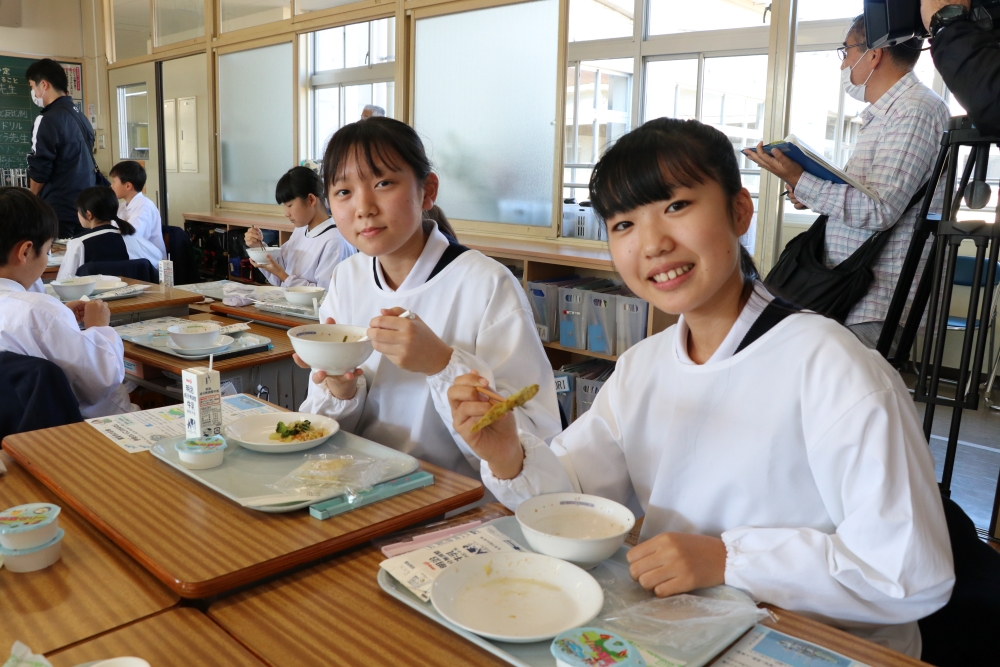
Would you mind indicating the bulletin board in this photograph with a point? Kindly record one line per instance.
(18, 113)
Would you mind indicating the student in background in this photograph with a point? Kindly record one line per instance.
(470, 312)
(128, 178)
(316, 247)
(769, 449)
(38, 325)
(372, 110)
(101, 240)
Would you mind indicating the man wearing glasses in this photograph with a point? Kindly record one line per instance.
(895, 154)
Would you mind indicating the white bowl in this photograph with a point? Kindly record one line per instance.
(304, 295)
(72, 289)
(516, 596)
(322, 346)
(254, 432)
(108, 285)
(259, 256)
(581, 529)
(121, 662)
(194, 335)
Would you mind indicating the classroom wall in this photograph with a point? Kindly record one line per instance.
(48, 28)
(189, 191)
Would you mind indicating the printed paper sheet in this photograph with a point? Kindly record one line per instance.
(764, 647)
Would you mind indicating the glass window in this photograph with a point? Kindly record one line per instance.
(304, 6)
(179, 20)
(337, 106)
(493, 145)
(820, 10)
(237, 14)
(598, 113)
(355, 45)
(600, 19)
(133, 122)
(255, 139)
(672, 16)
(131, 21)
(672, 89)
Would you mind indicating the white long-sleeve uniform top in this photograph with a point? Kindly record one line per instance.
(310, 256)
(803, 452)
(38, 325)
(142, 214)
(474, 305)
(75, 257)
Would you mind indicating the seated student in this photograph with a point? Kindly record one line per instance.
(793, 467)
(38, 325)
(470, 312)
(128, 178)
(308, 257)
(100, 240)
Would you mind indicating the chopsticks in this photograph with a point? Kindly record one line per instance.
(491, 394)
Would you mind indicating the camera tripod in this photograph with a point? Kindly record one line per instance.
(934, 291)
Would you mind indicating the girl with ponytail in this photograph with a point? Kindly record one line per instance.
(105, 236)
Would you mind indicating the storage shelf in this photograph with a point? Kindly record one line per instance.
(586, 353)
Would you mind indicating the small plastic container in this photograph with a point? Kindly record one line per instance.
(201, 453)
(36, 558)
(594, 647)
(28, 526)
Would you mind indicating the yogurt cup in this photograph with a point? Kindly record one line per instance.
(34, 559)
(201, 453)
(594, 647)
(28, 526)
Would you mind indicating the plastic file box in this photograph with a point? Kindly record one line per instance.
(599, 312)
(572, 324)
(586, 393)
(632, 315)
(544, 299)
(566, 393)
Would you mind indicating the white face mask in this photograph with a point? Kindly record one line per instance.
(854, 90)
(37, 100)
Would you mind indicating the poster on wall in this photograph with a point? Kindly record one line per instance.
(74, 77)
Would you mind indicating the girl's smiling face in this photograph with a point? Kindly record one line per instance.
(379, 210)
(679, 253)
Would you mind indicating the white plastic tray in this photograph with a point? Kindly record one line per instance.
(537, 654)
(240, 344)
(245, 474)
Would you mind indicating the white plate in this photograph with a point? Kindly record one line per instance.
(220, 346)
(254, 431)
(516, 597)
(118, 285)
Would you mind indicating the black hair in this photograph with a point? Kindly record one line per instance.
(905, 54)
(130, 171)
(102, 203)
(24, 217)
(435, 214)
(298, 183)
(49, 70)
(649, 163)
(391, 141)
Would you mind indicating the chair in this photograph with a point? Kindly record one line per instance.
(963, 631)
(181, 253)
(36, 395)
(137, 269)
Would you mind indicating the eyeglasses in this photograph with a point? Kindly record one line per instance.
(842, 50)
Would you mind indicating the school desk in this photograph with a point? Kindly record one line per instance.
(255, 314)
(176, 638)
(194, 540)
(94, 588)
(287, 384)
(157, 301)
(264, 617)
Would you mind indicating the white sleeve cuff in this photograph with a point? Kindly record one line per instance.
(461, 363)
(321, 402)
(541, 472)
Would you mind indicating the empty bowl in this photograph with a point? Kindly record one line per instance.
(334, 348)
(578, 528)
(194, 335)
(72, 289)
(304, 295)
(259, 256)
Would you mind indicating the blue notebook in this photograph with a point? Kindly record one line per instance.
(809, 160)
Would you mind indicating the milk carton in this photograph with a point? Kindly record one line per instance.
(202, 403)
(166, 273)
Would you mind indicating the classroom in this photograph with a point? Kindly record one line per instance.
(546, 333)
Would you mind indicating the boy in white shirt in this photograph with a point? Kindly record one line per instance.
(128, 178)
(38, 325)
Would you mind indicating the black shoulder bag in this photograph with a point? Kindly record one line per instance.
(802, 277)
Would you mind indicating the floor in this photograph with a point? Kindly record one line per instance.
(977, 463)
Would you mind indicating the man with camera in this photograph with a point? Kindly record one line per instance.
(968, 57)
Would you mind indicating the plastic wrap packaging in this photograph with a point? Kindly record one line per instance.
(21, 656)
(324, 475)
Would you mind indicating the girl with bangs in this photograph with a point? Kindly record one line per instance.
(469, 312)
(768, 448)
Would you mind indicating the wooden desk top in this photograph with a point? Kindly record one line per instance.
(239, 219)
(263, 619)
(155, 297)
(94, 588)
(255, 314)
(196, 541)
(281, 349)
(175, 638)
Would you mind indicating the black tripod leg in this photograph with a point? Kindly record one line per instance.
(920, 297)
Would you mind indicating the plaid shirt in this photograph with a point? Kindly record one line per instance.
(895, 154)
